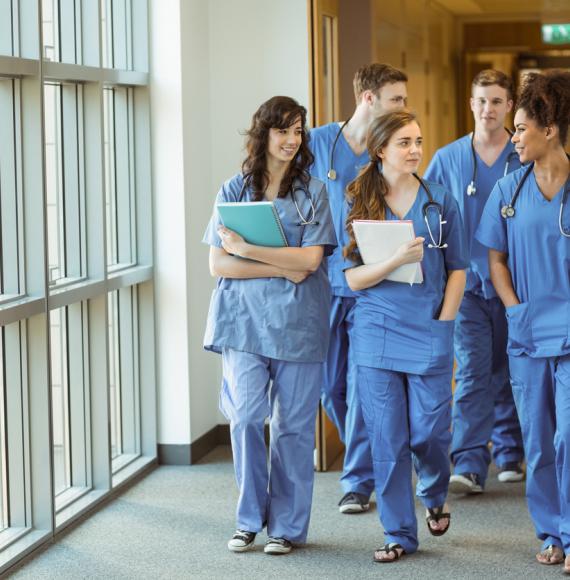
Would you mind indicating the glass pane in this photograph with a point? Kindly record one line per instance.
(4, 523)
(6, 27)
(106, 34)
(110, 176)
(115, 375)
(50, 29)
(60, 400)
(54, 183)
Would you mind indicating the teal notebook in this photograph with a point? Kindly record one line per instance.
(257, 222)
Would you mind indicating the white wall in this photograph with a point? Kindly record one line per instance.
(212, 64)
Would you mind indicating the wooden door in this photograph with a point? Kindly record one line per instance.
(323, 32)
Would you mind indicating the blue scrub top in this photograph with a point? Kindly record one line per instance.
(452, 166)
(539, 261)
(395, 324)
(347, 165)
(274, 317)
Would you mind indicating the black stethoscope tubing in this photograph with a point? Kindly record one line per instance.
(331, 173)
(508, 211)
(471, 188)
(432, 204)
(310, 221)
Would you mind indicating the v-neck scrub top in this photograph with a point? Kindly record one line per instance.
(396, 325)
(274, 317)
(452, 166)
(347, 166)
(539, 261)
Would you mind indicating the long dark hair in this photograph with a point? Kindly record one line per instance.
(366, 193)
(276, 113)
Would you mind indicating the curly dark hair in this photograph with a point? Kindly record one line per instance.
(276, 113)
(545, 98)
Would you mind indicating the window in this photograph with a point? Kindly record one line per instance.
(70, 346)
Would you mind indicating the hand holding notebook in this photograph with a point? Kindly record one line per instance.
(379, 240)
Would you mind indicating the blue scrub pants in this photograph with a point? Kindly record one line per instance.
(340, 400)
(408, 418)
(278, 495)
(541, 387)
(483, 396)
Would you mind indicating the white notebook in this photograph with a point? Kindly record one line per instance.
(378, 240)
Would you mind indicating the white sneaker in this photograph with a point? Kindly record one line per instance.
(277, 546)
(465, 483)
(241, 541)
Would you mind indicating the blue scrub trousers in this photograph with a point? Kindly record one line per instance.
(278, 495)
(541, 387)
(483, 396)
(340, 400)
(408, 418)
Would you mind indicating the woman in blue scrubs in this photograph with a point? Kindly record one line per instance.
(528, 236)
(403, 334)
(269, 319)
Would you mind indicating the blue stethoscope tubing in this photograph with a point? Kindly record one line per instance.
(432, 204)
(309, 221)
(472, 188)
(508, 211)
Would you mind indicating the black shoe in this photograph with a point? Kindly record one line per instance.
(353, 503)
(465, 483)
(510, 472)
(276, 546)
(241, 541)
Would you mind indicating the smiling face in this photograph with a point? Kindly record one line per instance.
(283, 144)
(403, 153)
(490, 106)
(530, 140)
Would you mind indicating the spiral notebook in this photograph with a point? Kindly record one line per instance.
(378, 240)
(257, 222)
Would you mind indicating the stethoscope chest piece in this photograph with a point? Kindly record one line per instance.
(331, 174)
(471, 189)
(508, 211)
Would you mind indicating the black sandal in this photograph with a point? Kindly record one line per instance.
(436, 514)
(389, 549)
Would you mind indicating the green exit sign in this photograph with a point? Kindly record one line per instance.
(556, 33)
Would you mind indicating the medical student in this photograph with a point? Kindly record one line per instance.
(469, 168)
(340, 151)
(403, 334)
(269, 319)
(526, 225)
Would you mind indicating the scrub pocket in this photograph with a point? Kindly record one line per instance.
(441, 345)
(520, 330)
(222, 318)
(368, 337)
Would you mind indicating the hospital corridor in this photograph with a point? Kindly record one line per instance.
(284, 278)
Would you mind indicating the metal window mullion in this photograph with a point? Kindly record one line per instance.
(65, 386)
(76, 391)
(17, 101)
(4, 439)
(126, 342)
(137, 410)
(132, 229)
(80, 115)
(71, 194)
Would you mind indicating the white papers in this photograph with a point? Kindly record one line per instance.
(378, 240)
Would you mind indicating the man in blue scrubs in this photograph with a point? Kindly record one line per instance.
(483, 402)
(340, 151)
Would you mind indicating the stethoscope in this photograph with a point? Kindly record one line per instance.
(432, 205)
(310, 221)
(331, 173)
(508, 211)
(471, 188)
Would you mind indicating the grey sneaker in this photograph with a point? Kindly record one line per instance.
(353, 503)
(465, 483)
(276, 546)
(241, 541)
(510, 473)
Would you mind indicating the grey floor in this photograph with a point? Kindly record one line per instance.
(175, 524)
